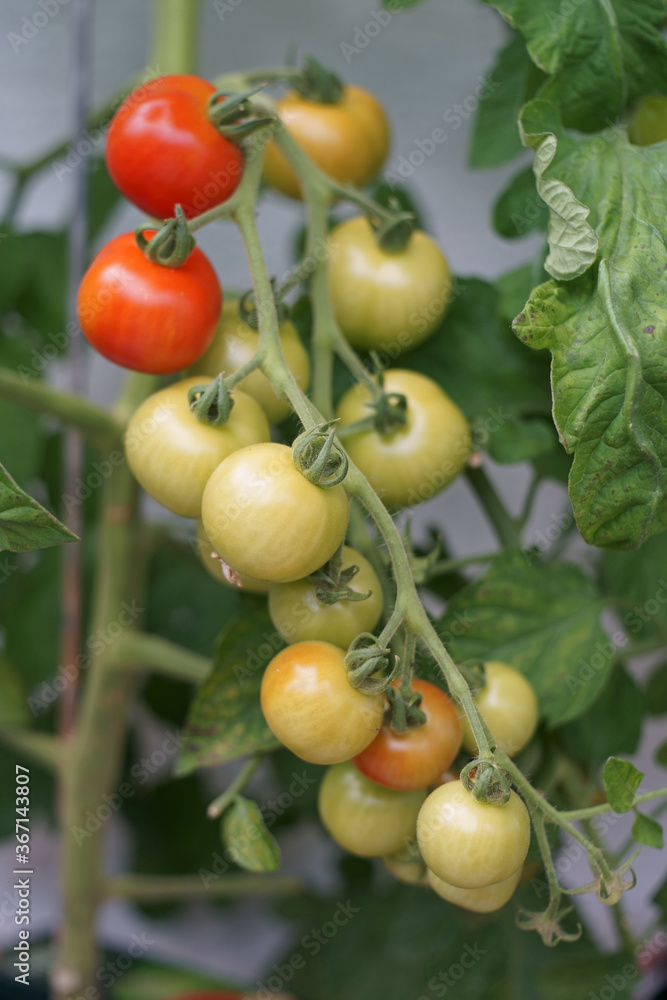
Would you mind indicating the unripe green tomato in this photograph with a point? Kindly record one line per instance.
(509, 707)
(311, 707)
(486, 899)
(421, 458)
(386, 302)
(235, 343)
(267, 520)
(471, 844)
(648, 124)
(364, 818)
(214, 565)
(172, 454)
(406, 867)
(298, 615)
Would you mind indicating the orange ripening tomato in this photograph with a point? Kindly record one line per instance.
(415, 759)
(144, 316)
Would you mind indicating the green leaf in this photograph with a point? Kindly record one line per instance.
(13, 705)
(613, 724)
(397, 5)
(34, 283)
(519, 210)
(514, 288)
(522, 439)
(621, 780)
(225, 720)
(647, 830)
(486, 374)
(640, 579)
(495, 135)
(541, 619)
(24, 523)
(656, 691)
(607, 328)
(599, 56)
(250, 844)
(661, 755)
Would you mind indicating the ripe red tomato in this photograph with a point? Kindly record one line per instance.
(162, 150)
(415, 759)
(144, 316)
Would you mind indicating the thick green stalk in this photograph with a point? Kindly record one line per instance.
(141, 651)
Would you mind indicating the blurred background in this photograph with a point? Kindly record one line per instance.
(421, 63)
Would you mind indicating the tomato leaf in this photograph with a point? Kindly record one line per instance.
(519, 209)
(487, 376)
(613, 724)
(606, 325)
(599, 56)
(621, 779)
(225, 720)
(249, 842)
(24, 523)
(656, 691)
(513, 79)
(541, 619)
(661, 755)
(647, 830)
(639, 579)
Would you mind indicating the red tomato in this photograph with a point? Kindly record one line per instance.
(162, 150)
(144, 316)
(417, 758)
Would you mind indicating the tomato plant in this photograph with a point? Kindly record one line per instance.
(414, 461)
(141, 315)
(163, 151)
(472, 844)
(267, 520)
(535, 584)
(172, 453)
(386, 300)
(416, 758)
(509, 708)
(311, 708)
(364, 818)
(348, 138)
(233, 346)
(299, 614)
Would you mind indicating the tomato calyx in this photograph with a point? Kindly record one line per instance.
(486, 782)
(404, 708)
(248, 309)
(211, 402)
(547, 925)
(318, 458)
(171, 245)
(393, 234)
(315, 83)
(333, 581)
(367, 665)
(226, 108)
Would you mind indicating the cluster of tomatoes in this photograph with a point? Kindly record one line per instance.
(207, 454)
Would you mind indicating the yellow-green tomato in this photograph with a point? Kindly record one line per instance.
(364, 818)
(268, 521)
(172, 454)
(298, 614)
(649, 122)
(235, 343)
(406, 866)
(509, 706)
(416, 461)
(471, 844)
(486, 899)
(215, 566)
(386, 302)
(311, 707)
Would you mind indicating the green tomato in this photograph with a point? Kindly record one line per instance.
(172, 454)
(486, 899)
(509, 707)
(648, 124)
(235, 343)
(266, 520)
(364, 818)
(419, 459)
(472, 844)
(220, 571)
(406, 866)
(386, 302)
(298, 614)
